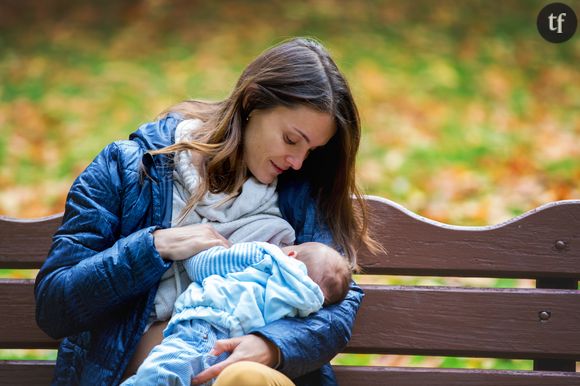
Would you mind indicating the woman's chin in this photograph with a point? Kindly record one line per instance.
(267, 180)
(264, 179)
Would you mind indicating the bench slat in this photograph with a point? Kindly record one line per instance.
(496, 323)
(428, 321)
(401, 376)
(25, 243)
(32, 373)
(524, 247)
(26, 373)
(18, 327)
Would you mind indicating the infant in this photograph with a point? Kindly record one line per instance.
(235, 291)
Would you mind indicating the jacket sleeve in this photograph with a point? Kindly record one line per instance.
(316, 339)
(92, 270)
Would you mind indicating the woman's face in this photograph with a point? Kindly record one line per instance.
(280, 138)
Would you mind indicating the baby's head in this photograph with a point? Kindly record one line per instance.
(326, 267)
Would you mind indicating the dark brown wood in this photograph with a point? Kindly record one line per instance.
(526, 246)
(500, 323)
(544, 242)
(18, 327)
(25, 243)
(26, 373)
(16, 373)
(557, 283)
(547, 364)
(555, 365)
(404, 320)
(400, 376)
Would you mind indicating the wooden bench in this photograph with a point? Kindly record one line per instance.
(541, 324)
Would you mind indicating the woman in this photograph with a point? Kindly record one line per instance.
(291, 119)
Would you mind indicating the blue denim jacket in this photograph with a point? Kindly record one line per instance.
(97, 286)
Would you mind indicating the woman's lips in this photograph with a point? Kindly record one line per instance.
(278, 170)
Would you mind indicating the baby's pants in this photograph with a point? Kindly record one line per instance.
(180, 356)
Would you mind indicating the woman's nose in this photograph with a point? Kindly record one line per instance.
(295, 161)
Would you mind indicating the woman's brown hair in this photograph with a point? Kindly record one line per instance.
(296, 72)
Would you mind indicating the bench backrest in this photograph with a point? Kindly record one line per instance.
(542, 324)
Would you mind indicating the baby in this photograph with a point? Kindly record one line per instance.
(235, 291)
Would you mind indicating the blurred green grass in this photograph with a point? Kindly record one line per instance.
(423, 361)
(469, 117)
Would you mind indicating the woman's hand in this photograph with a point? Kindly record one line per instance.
(183, 242)
(244, 348)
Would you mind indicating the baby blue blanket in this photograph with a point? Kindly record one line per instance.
(273, 286)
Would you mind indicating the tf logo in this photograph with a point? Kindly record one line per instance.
(557, 22)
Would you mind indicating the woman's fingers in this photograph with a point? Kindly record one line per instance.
(225, 345)
(221, 346)
(244, 348)
(219, 238)
(183, 242)
(207, 237)
(211, 372)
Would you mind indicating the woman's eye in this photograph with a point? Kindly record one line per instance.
(289, 141)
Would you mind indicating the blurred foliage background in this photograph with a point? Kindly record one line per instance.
(469, 116)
